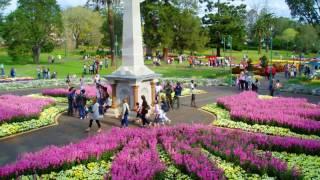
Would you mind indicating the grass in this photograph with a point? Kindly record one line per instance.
(311, 84)
(253, 54)
(73, 65)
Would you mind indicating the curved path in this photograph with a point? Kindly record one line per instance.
(71, 130)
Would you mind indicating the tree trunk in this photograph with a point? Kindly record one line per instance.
(36, 50)
(77, 43)
(165, 54)
(259, 39)
(218, 44)
(111, 31)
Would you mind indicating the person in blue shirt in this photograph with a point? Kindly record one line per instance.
(13, 73)
(177, 94)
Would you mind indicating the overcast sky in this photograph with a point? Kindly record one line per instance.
(279, 7)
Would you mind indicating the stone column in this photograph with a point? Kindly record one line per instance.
(135, 89)
(114, 96)
(153, 92)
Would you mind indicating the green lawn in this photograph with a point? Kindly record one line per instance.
(73, 64)
(253, 54)
(311, 84)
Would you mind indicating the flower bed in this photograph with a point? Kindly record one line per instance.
(295, 114)
(15, 85)
(46, 118)
(224, 120)
(21, 108)
(61, 92)
(184, 149)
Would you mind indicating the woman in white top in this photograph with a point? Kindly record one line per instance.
(158, 90)
(95, 115)
(125, 113)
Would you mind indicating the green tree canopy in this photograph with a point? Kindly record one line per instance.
(33, 25)
(289, 35)
(307, 40)
(306, 10)
(229, 20)
(83, 25)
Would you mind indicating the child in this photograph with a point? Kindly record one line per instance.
(138, 111)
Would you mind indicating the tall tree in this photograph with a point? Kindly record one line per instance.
(188, 32)
(118, 29)
(229, 20)
(306, 10)
(262, 28)
(307, 40)
(33, 25)
(101, 4)
(83, 24)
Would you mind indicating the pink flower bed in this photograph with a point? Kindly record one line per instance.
(91, 91)
(16, 108)
(136, 153)
(296, 114)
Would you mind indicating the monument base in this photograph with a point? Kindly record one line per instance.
(132, 87)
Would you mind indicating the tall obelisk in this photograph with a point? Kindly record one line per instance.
(133, 78)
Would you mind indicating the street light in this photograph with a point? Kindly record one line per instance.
(271, 47)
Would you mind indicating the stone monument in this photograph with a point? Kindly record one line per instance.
(133, 78)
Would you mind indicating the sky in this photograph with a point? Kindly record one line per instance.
(278, 7)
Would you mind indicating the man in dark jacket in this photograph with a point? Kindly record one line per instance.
(71, 99)
(81, 101)
(177, 94)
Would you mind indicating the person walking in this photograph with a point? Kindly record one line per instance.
(193, 95)
(125, 113)
(255, 86)
(2, 69)
(81, 101)
(144, 111)
(13, 73)
(177, 94)
(168, 91)
(272, 86)
(82, 83)
(158, 90)
(95, 115)
(278, 87)
(71, 100)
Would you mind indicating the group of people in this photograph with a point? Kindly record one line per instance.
(94, 67)
(3, 74)
(44, 73)
(166, 97)
(245, 82)
(290, 71)
(77, 103)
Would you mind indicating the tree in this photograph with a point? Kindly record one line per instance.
(306, 10)
(83, 24)
(188, 32)
(31, 26)
(230, 20)
(98, 5)
(262, 28)
(307, 39)
(118, 29)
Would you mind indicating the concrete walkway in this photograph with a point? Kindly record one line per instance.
(71, 130)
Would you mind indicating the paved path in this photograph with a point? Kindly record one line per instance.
(71, 130)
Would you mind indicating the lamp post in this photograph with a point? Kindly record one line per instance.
(271, 66)
(230, 59)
